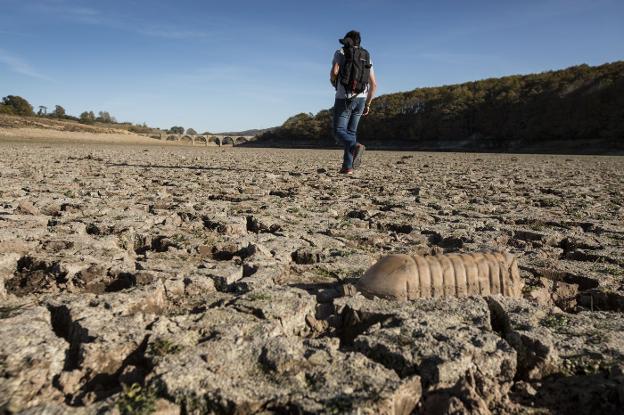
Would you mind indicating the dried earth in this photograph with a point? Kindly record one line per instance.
(140, 279)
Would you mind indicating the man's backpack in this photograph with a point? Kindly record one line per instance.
(355, 73)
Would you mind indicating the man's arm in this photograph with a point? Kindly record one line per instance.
(333, 75)
(372, 88)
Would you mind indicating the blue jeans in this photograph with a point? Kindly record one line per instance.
(347, 114)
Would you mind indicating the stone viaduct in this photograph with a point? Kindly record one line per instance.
(204, 139)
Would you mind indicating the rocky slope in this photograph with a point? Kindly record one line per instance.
(194, 280)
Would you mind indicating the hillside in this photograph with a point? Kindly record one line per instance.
(254, 132)
(19, 128)
(8, 121)
(579, 109)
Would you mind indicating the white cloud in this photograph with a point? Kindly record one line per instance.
(20, 66)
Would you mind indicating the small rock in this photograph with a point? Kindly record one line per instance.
(26, 208)
(204, 250)
(525, 389)
(307, 256)
(318, 358)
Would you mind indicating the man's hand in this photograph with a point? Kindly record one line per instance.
(366, 110)
(372, 88)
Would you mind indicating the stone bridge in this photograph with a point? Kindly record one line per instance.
(204, 139)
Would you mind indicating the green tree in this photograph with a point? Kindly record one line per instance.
(190, 131)
(176, 130)
(17, 105)
(59, 112)
(87, 117)
(105, 117)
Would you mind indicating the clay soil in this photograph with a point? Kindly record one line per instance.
(139, 278)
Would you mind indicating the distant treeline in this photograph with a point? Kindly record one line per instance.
(254, 131)
(578, 103)
(16, 105)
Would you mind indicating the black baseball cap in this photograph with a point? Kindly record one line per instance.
(352, 37)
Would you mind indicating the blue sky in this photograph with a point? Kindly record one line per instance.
(234, 65)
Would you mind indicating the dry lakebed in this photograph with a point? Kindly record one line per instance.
(173, 279)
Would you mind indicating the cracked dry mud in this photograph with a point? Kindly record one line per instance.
(193, 280)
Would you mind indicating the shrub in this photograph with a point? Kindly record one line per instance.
(87, 117)
(18, 105)
(105, 117)
(136, 400)
(140, 129)
(59, 112)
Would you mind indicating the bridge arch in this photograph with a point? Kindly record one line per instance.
(187, 138)
(214, 139)
(172, 137)
(227, 140)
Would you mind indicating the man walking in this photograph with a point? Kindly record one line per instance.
(354, 79)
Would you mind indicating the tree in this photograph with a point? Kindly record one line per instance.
(5, 109)
(17, 105)
(59, 112)
(190, 131)
(105, 117)
(87, 117)
(176, 130)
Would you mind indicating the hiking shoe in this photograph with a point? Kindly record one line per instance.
(358, 152)
(346, 171)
